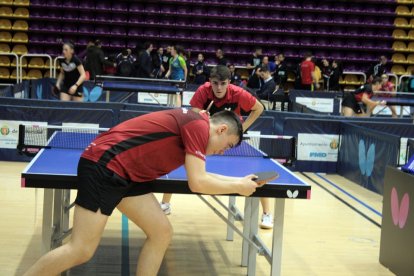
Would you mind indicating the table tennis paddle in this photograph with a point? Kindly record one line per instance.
(265, 177)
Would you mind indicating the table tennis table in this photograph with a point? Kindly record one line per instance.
(139, 85)
(402, 100)
(55, 169)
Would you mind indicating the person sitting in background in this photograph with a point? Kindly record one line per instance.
(410, 83)
(110, 67)
(71, 76)
(378, 69)
(271, 65)
(221, 60)
(351, 102)
(269, 86)
(95, 60)
(281, 71)
(200, 70)
(336, 74)
(307, 73)
(157, 61)
(144, 62)
(125, 64)
(326, 70)
(177, 67)
(388, 86)
(235, 78)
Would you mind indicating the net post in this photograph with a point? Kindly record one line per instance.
(20, 142)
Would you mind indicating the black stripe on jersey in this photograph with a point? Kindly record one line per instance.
(130, 143)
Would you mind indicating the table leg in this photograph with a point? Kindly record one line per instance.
(108, 96)
(254, 225)
(276, 265)
(230, 217)
(66, 210)
(47, 221)
(246, 229)
(58, 211)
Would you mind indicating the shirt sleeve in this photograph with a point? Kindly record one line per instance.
(312, 66)
(77, 61)
(182, 62)
(246, 100)
(199, 98)
(195, 138)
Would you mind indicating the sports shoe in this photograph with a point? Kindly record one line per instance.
(166, 208)
(267, 221)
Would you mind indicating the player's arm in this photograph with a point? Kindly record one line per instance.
(199, 181)
(370, 103)
(82, 75)
(60, 79)
(256, 111)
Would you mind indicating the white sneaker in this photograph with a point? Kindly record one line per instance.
(166, 208)
(267, 221)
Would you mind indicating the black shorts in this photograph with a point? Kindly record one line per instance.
(100, 188)
(350, 101)
(65, 89)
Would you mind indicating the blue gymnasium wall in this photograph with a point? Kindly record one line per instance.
(364, 155)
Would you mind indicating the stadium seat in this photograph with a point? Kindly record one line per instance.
(34, 74)
(6, 2)
(404, 1)
(5, 37)
(19, 49)
(47, 64)
(398, 70)
(402, 10)
(351, 80)
(398, 58)
(21, 13)
(410, 70)
(20, 38)
(6, 11)
(411, 23)
(36, 62)
(4, 61)
(20, 25)
(23, 3)
(410, 59)
(400, 34)
(4, 73)
(47, 74)
(4, 48)
(410, 47)
(22, 61)
(401, 22)
(399, 46)
(5, 24)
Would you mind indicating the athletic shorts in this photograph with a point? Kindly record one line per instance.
(65, 89)
(100, 188)
(350, 101)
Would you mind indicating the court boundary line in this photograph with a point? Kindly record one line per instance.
(343, 201)
(350, 195)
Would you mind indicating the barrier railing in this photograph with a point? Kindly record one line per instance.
(55, 61)
(33, 55)
(17, 65)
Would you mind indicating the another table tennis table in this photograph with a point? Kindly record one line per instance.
(138, 85)
(55, 170)
(402, 100)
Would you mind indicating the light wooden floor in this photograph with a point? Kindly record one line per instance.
(322, 236)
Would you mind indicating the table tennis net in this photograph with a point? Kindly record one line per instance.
(32, 138)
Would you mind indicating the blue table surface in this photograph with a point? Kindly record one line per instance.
(145, 87)
(395, 100)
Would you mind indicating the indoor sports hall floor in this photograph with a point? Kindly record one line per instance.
(331, 234)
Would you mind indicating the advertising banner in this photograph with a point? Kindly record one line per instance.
(318, 147)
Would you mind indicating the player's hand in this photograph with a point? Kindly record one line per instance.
(72, 89)
(247, 185)
(382, 103)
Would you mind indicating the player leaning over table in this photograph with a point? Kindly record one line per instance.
(115, 170)
(351, 102)
(226, 97)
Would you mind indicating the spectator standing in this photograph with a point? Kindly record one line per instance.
(157, 63)
(271, 65)
(307, 73)
(95, 60)
(410, 83)
(252, 65)
(82, 55)
(200, 70)
(144, 62)
(125, 64)
(269, 86)
(336, 74)
(281, 71)
(235, 78)
(221, 60)
(326, 73)
(388, 86)
(166, 58)
(378, 69)
(126, 53)
(177, 67)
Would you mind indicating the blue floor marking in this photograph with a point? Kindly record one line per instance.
(125, 247)
(350, 195)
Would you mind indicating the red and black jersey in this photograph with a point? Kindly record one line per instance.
(149, 146)
(236, 99)
(365, 89)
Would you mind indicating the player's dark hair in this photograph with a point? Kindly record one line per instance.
(180, 50)
(281, 54)
(232, 120)
(376, 80)
(307, 55)
(125, 52)
(264, 68)
(220, 72)
(146, 45)
(70, 44)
